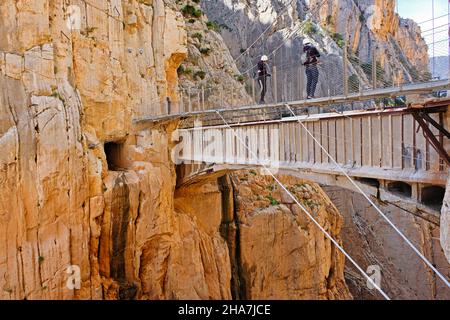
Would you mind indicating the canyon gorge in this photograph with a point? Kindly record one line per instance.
(83, 184)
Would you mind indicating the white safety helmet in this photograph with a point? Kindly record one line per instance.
(264, 58)
(306, 41)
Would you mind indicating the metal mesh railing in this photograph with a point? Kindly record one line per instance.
(338, 76)
(343, 73)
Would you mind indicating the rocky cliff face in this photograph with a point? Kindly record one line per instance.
(372, 242)
(277, 252)
(445, 223)
(373, 27)
(84, 186)
(81, 185)
(208, 75)
(366, 27)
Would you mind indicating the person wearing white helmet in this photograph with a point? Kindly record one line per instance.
(312, 56)
(262, 76)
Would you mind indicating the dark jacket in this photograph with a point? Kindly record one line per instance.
(312, 55)
(262, 69)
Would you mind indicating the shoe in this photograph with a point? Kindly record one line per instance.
(261, 102)
(308, 98)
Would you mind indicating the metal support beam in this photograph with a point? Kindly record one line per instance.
(435, 124)
(428, 134)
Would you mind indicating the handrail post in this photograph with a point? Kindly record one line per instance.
(274, 83)
(360, 88)
(400, 80)
(221, 96)
(232, 96)
(168, 102)
(181, 101)
(189, 100)
(301, 82)
(345, 73)
(253, 89)
(203, 98)
(374, 69)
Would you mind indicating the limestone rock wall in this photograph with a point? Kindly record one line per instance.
(373, 26)
(278, 251)
(67, 197)
(209, 74)
(243, 22)
(82, 185)
(251, 19)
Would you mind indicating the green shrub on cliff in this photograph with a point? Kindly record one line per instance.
(205, 51)
(200, 74)
(309, 28)
(213, 25)
(339, 39)
(191, 11)
(198, 36)
(273, 201)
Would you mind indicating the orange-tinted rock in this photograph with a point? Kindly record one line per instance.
(282, 253)
(372, 242)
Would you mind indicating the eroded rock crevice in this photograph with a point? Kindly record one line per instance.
(120, 210)
(275, 251)
(230, 231)
(372, 242)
